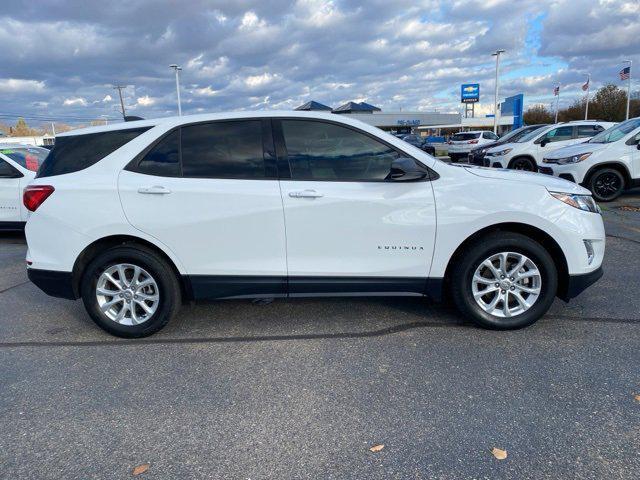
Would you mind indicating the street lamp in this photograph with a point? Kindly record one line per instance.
(495, 100)
(177, 69)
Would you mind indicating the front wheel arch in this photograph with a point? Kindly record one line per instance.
(532, 232)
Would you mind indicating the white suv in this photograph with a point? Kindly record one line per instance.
(18, 166)
(527, 152)
(460, 144)
(137, 217)
(606, 164)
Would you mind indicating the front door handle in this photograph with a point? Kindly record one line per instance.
(305, 194)
(155, 190)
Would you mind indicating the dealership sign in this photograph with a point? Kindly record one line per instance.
(470, 93)
(408, 123)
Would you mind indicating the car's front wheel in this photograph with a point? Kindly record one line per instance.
(523, 163)
(606, 184)
(505, 281)
(130, 292)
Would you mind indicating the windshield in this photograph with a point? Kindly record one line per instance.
(464, 136)
(530, 135)
(27, 157)
(614, 134)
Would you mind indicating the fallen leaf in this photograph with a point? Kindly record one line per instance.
(140, 469)
(637, 397)
(376, 448)
(498, 453)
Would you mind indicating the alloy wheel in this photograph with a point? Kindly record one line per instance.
(127, 294)
(607, 185)
(506, 284)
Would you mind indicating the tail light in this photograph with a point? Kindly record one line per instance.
(473, 141)
(35, 195)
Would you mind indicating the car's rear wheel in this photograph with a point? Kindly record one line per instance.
(606, 184)
(523, 163)
(505, 281)
(130, 292)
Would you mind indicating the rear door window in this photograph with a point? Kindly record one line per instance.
(586, 131)
(7, 171)
(230, 149)
(27, 157)
(77, 152)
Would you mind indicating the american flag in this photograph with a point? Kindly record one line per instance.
(625, 73)
(556, 91)
(585, 87)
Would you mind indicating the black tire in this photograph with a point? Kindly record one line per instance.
(168, 288)
(523, 163)
(466, 265)
(606, 184)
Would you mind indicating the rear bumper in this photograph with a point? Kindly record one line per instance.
(54, 283)
(579, 283)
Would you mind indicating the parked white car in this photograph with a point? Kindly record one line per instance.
(528, 151)
(606, 164)
(460, 144)
(136, 217)
(18, 166)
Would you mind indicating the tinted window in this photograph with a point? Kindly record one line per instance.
(77, 152)
(324, 151)
(559, 134)
(164, 158)
(464, 136)
(489, 135)
(7, 171)
(27, 157)
(585, 131)
(223, 150)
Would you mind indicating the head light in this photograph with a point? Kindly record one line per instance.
(574, 158)
(581, 202)
(499, 153)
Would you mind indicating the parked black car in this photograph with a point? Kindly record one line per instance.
(420, 142)
(476, 156)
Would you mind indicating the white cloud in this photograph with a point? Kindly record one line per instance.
(251, 21)
(146, 101)
(69, 102)
(255, 81)
(14, 85)
(205, 91)
(107, 98)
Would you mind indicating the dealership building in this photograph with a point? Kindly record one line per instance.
(391, 121)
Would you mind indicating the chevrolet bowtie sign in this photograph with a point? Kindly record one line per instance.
(470, 93)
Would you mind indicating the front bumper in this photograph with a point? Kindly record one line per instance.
(53, 283)
(579, 283)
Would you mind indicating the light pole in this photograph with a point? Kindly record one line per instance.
(177, 69)
(119, 88)
(628, 88)
(495, 101)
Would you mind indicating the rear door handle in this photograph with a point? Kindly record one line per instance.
(306, 194)
(155, 190)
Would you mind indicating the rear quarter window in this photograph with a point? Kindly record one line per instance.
(30, 157)
(77, 152)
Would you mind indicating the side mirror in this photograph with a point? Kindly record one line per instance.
(406, 169)
(544, 142)
(638, 145)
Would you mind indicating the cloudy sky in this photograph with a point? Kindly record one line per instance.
(60, 58)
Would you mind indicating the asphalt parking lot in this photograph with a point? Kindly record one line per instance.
(303, 388)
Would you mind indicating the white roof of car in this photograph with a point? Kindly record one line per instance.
(204, 117)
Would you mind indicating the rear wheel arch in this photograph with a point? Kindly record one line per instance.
(535, 233)
(92, 250)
